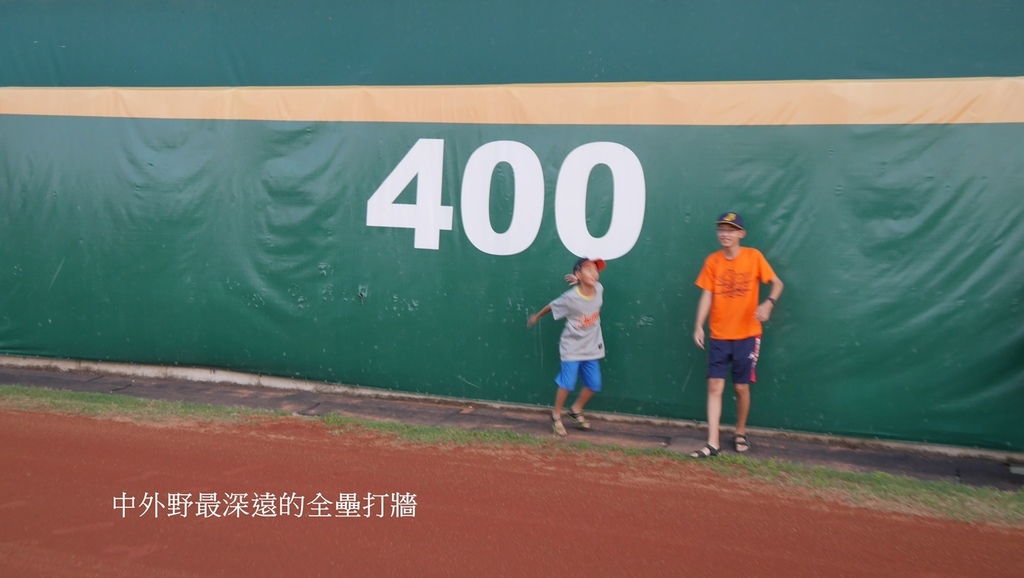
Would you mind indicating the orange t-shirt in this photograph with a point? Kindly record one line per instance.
(734, 292)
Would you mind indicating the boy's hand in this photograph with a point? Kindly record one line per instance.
(698, 337)
(764, 311)
(572, 279)
(532, 320)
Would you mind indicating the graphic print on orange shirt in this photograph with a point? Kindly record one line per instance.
(733, 285)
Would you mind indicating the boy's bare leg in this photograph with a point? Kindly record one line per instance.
(560, 397)
(585, 394)
(715, 388)
(742, 407)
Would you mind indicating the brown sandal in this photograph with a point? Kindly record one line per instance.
(557, 426)
(581, 420)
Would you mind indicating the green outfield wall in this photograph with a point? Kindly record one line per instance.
(379, 194)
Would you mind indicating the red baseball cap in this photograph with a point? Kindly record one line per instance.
(599, 263)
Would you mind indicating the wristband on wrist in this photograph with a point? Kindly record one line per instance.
(772, 300)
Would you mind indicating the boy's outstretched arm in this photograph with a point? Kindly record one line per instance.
(533, 319)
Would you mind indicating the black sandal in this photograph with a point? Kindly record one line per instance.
(708, 451)
(742, 443)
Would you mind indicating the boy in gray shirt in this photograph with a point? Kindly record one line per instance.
(582, 343)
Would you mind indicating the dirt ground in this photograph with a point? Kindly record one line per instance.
(228, 502)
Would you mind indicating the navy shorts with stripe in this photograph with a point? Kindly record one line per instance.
(741, 354)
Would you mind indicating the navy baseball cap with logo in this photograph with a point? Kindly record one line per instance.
(733, 219)
(599, 263)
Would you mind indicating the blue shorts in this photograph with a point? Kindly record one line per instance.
(590, 370)
(740, 353)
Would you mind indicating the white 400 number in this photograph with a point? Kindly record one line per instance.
(428, 217)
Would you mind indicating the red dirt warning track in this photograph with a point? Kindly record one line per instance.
(467, 512)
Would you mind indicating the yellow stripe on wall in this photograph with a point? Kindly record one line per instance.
(934, 101)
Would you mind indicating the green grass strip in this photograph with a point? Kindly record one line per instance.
(113, 405)
(433, 435)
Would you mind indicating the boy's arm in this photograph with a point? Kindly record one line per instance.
(703, 308)
(764, 310)
(533, 319)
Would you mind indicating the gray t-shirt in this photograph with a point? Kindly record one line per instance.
(581, 339)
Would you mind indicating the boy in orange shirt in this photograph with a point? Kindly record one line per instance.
(730, 293)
